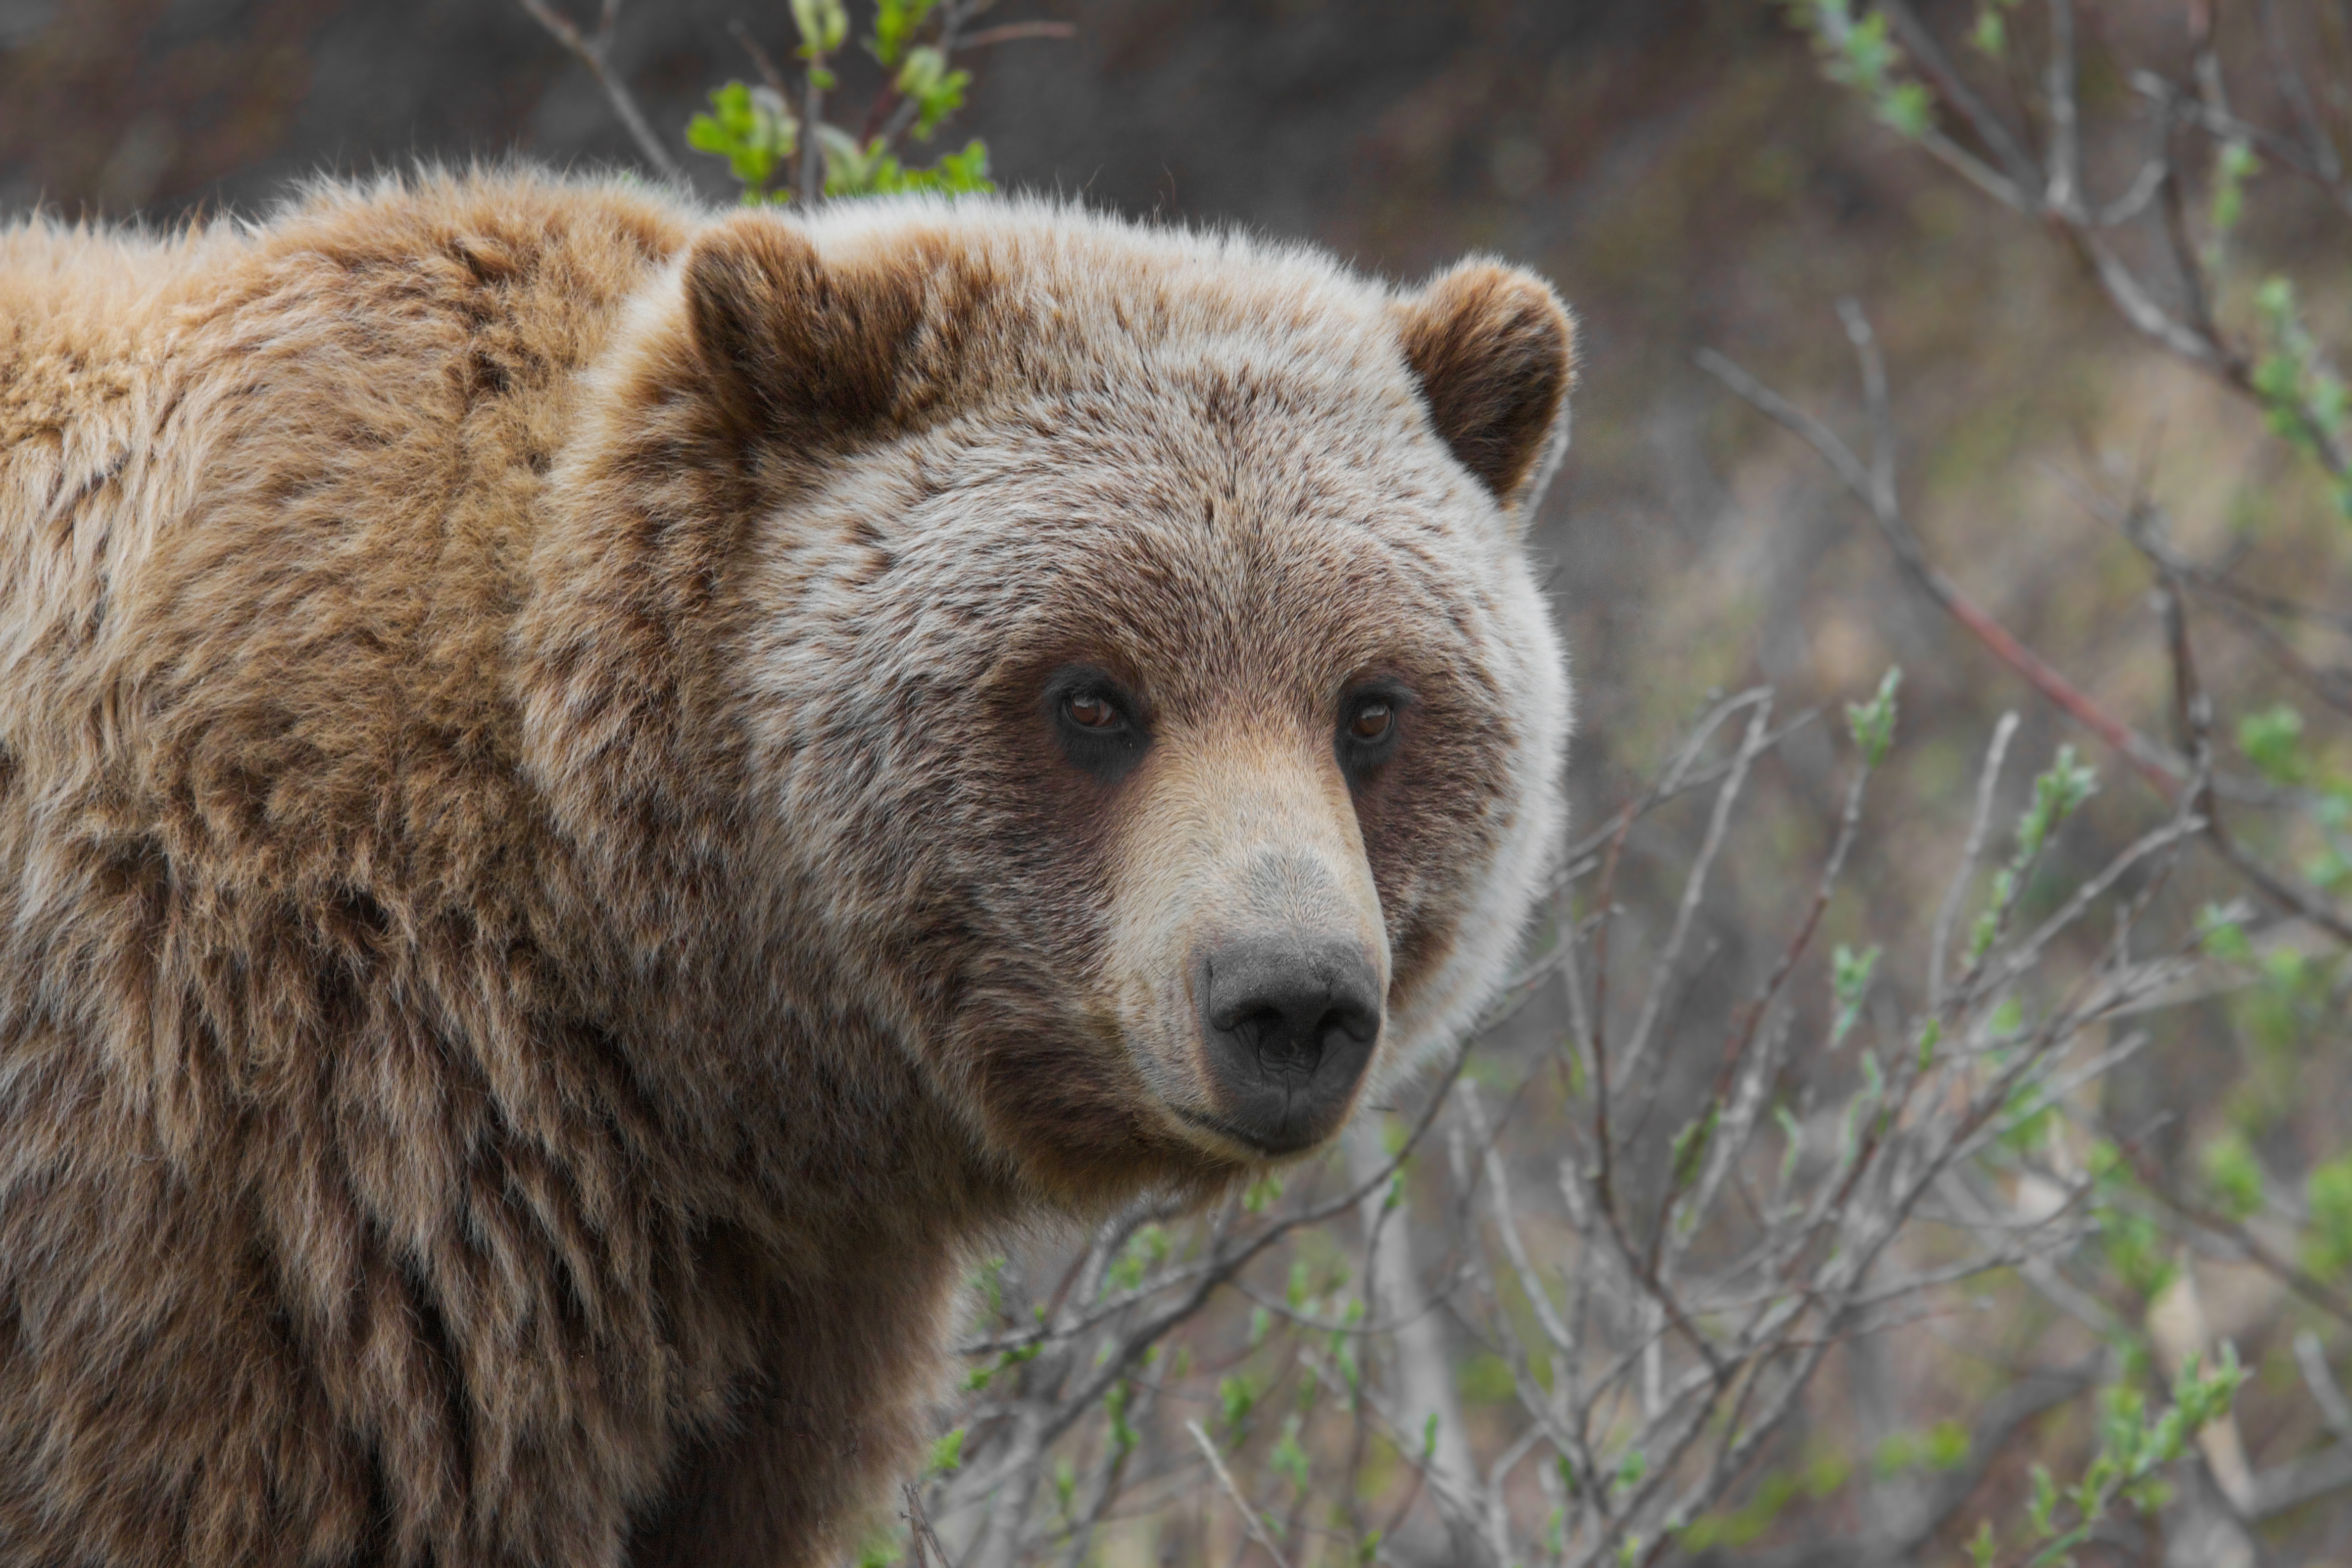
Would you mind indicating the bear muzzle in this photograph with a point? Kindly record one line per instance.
(1288, 1020)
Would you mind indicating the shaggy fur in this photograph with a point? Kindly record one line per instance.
(542, 914)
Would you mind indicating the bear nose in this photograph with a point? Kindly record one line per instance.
(1289, 1019)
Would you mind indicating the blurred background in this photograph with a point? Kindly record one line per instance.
(1698, 175)
(1680, 168)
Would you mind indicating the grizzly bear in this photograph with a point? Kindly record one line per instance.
(594, 794)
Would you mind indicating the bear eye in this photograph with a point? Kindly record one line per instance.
(1369, 727)
(1100, 726)
(1090, 710)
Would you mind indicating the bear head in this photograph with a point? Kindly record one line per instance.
(1132, 688)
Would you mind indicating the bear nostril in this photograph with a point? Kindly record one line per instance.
(1259, 1028)
(1289, 1020)
(1353, 1018)
(1290, 1023)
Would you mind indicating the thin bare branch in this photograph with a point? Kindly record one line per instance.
(2021, 175)
(595, 52)
(2315, 139)
(1751, 746)
(2311, 1359)
(1939, 943)
(1013, 31)
(2162, 771)
(1250, 1522)
(2064, 195)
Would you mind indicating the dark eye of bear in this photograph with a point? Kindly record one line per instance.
(1096, 723)
(1369, 729)
(1089, 710)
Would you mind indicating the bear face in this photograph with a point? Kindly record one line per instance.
(1154, 647)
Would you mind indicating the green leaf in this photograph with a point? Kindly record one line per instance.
(1987, 929)
(1930, 1036)
(1147, 1249)
(2222, 936)
(1263, 1194)
(935, 91)
(2136, 1250)
(946, 1454)
(894, 23)
(1690, 1148)
(1850, 973)
(823, 25)
(1288, 1458)
(753, 129)
(1946, 1448)
(2045, 1503)
(1123, 1436)
(2234, 1174)
(2272, 741)
(1238, 1396)
(2058, 794)
(2327, 1192)
(2235, 165)
(1792, 1134)
(1871, 724)
(2305, 401)
(1907, 108)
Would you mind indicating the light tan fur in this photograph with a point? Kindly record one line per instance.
(542, 914)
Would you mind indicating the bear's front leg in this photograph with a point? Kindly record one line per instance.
(804, 1462)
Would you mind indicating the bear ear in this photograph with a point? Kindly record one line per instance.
(806, 355)
(1495, 352)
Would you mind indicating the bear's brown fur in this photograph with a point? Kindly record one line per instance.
(546, 900)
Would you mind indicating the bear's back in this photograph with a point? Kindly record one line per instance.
(266, 499)
(273, 924)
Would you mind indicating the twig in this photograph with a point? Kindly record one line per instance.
(1224, 1479)
(2195, 711)
(808, 185)
(2220, 125)
(1736, 1048)
(2186, 261)
(594, 52)
(2063, 194)
(2332, 687)
(921, 1536)
(2250, 1246)
(1991, 128)
(1939, 943)
(1751, 746)
(760, 59)
(2311, 1356)
(2002, 1418)
(1009, 32)
(2298, 97)
(2162, 772)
